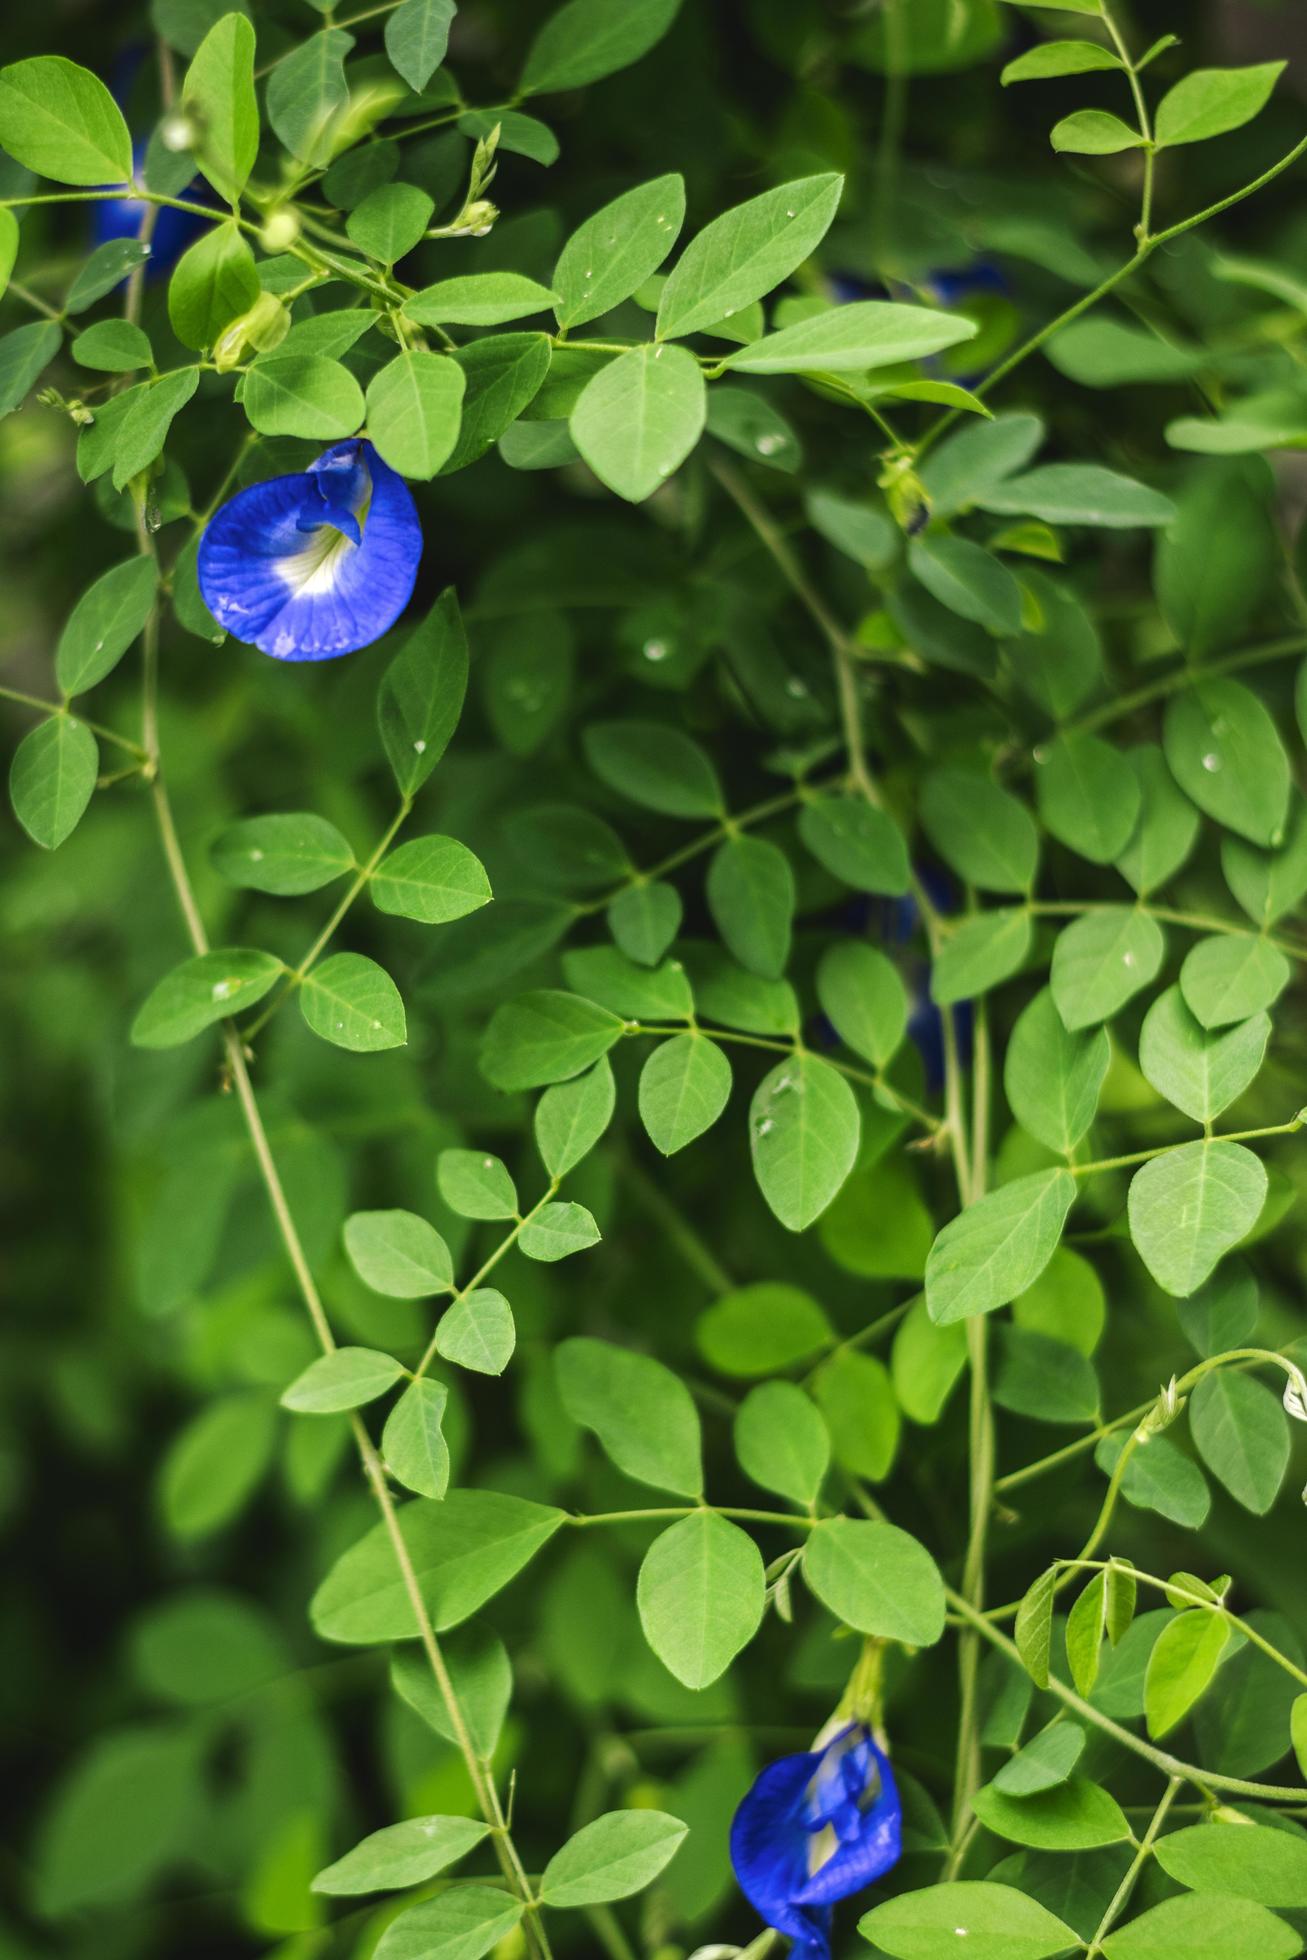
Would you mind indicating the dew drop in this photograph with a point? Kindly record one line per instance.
(1211, 763)
(256, 856)
(376, 1024)
(1127, 959)
(487, 1163)
(656, 650)
(339, 1026)
(1039, 754)
(222, 989)
(768, 445)
(419, 747)
(796, 689)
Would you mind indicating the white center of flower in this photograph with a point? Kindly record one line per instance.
(316, 566)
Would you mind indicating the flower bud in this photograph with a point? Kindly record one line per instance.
(264, 327)
(280, 229)
(179, 131)
(477, 218)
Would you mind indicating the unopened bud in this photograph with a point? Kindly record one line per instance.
(478, 217)
(179, 131)
(1295, 1393)
(905, 493)
(280, 230)
(264, 327)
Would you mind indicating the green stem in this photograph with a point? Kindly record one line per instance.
(658, 1512)
(1145, 127)
(483, 1271)
(1121, 1897)
(62, 708)
(1178, 1591)
(1164, 1149)
(1166, 915)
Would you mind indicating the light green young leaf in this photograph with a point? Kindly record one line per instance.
(684, 1087)
(641, 1412)
(401, 1855)
(345, 1379)
(1085, 1628)
(997, 1921)
(855, 1394)
(1046, 1760)
(399, 1254)
(218, 93)
(213, 284)
(413, 1445)
(1052, 58)
(977, 459)
(804, 1129)
(557, 1231)
(571, 1117)
(1188, 1207)
(302, 395)
(615, 251)
(431, 879)
(390, 221)
(1181, 1667)
(476, 1185)
(503, 374)
(1101, 961)
(25, 354)
(781, 1441)
(480, 299)
(745, 253)
(700, 1595)
(1210, 101)
(863, 334)
(1053, 1078)
(112, 347)
(926, 1363)
(478, 1332)
(1239, 1860)
(639, 417)
(1034, 1627)
(201, 992)
(544, 1037)
(1269, 883)
(1202, 1073)
(1198, 1926)
(286, 855)
(612, 1857)
(353, 1003)
(61, 121)
(464, 1923)
(1094, 133)
(645, 919)
(414, 407)
(876, 1579)
(864, 1000)
(103, 624)
(762, 1329)
(1075, 1816)
(1168, 824)
(637, 993)
(998, 1246)
(143, 431)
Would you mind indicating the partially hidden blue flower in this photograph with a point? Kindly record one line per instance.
(816, 1828)
(311, 566)
(122, 217)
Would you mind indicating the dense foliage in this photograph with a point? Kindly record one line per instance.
(699, 1146)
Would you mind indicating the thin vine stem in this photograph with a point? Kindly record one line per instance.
(1121, 1897)
(109, 735)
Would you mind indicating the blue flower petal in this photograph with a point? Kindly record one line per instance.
(311, 566)
(806, 1835)
(121, 217)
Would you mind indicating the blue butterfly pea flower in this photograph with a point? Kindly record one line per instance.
(816, 1828)
(311, 566)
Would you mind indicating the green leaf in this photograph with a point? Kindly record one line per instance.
(214, 1465)
(639, 417)
(1053, 1078)
(475, 1185)
(1225, 752)
(344, 1379)
(1101, 961)
(1168, 824)
(108, 265)
(1047, 1760)
(864, 1000)
(421, 694)
(478, 1332)
(1075, 1816)
(1181, 1666)
(1051, 58)
(503, 374)
(617, 250)
(762, 1330)
(1094, 133)
(969, 580)
(61, 121)
(1239, 1860)
(926, 1362)
(588, 39)
(482, 299)
(980, 830)
(401, 1855)
(976, 459)
(861, 846)
(641, 1412)
(1034, 1627)
(144, 429)
(201, 992)
(112, 347)
(856, 1396)
(1204, 1928)
(431, 879)
(1089, 796)
(307, 91)
(1044, 1377)
(462, 1924)
(700, 1594)
(130, 1810)
(1222, 1314)
(684, 1087)
(1189, 1206)
(303, 395)
(861, 334)
(655, 766)
(218, 92)
(353, 1003)
(413, 1445)
(1298, 1727)
(1210, 101)
(876, 1579)
(746, 253)
(1160, 1478)
(1066, 1302)
(1269, 883)
(482, 1680)
(558, 1231)
(751, 898)
(616, 1855)
(983, 950)
(399, 1254)
(1079, 493)
(1201, 1073)
(519, 134)
(389, 222)
(998, 1246)
(103, 624)
(417, 35)
(463, 1551)
(1241, 1432)
(781, 1441)
(998, 1922)
(414, 406)
(284, 854)
(8, 246)
(637, 993)
(24, 356)
(571, 1117)
(804, 1129)
(545, 1037)
(1086, 1625)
